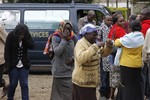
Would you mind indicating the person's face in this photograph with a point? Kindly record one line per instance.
(91, 16)
(92, 37)
(21, 35)
(142, 16)
(67, 29)
(108, 20)
(138, 17)
(120, 22)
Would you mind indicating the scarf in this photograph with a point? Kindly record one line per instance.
(88, 28)
(131, 40)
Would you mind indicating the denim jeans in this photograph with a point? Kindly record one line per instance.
(21, 75)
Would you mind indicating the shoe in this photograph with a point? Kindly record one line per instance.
(5, 90)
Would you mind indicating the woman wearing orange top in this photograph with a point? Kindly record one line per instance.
(116, 32)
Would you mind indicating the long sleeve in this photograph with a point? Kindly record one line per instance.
(3, 34)
(8, 49)
(146, 47)
(83, 55)
(59, 45)
(29, 43)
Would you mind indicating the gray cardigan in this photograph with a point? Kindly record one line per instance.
(63, 50)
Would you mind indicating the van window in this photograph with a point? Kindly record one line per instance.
(44, 19)
(99, 15)
(9, 18)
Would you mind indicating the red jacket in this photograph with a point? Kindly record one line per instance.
(116, 32)
(145, 26)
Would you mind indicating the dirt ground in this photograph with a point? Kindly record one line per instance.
(39, 87)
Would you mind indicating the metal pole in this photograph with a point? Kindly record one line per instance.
(127, 9)
(116, 3)
(107, 3)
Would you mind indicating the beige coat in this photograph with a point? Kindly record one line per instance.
(3, 36)
(146, 47)
(86, 55)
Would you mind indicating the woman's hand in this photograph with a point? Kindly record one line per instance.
(100, 44)
(109, 42)
(69, 61)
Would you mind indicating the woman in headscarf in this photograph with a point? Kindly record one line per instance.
(87, 52)
(63, 62)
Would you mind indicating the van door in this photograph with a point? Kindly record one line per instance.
(41, 24)
(83, 12)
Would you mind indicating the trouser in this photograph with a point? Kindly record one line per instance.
(146, 77)
(21, 75)
(104, 87)
(2, 81)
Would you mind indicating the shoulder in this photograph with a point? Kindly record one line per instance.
(56, 38)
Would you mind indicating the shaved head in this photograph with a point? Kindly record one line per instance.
(144, 14)
(91, 15)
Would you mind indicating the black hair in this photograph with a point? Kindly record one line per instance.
(21, 28)
(132, 17)
(115, 17)
(135, 25)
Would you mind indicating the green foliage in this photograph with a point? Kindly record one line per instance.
(123, 10)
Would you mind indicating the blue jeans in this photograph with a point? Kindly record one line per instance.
(21, 75)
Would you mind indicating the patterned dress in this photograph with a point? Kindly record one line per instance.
(103, 31)
(115, 33)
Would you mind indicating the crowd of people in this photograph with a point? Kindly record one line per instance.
(114, 56)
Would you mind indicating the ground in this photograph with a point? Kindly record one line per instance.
(39, 87)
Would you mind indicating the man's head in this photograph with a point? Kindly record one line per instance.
(89, 31)
(144, 14)
(108, 20)
(90, 15)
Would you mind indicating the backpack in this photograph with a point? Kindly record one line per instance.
(48, 50)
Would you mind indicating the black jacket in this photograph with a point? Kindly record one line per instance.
(11, 51)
